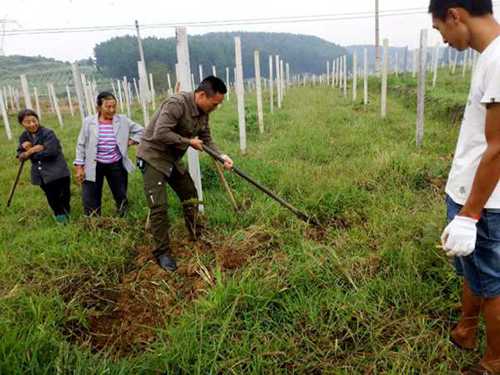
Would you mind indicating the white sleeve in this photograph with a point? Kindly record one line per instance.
(81, 144)
(492, 82)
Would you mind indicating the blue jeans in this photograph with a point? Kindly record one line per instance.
(481, 269)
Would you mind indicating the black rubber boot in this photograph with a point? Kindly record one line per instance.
(165, 261)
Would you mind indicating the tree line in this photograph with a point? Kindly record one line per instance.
(118, 56)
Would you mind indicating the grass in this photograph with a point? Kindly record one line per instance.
(369, 293)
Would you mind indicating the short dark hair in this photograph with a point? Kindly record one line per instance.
(439, 8)
(105, 95)
(212, 85)
(25, 113)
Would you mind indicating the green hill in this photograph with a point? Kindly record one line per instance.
(41, 70)
(118, 57)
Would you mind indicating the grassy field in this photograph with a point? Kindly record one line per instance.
(368, 293)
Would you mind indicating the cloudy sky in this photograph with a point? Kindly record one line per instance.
(37, 14)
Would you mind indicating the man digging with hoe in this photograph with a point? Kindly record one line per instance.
(180, 122)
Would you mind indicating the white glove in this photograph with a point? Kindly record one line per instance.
(459, 237)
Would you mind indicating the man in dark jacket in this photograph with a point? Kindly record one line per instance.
(180, 122)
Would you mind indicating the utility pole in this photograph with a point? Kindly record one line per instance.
(141, 52)
(377, 38)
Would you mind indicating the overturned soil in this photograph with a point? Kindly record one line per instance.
(320, 233)
(125, 317)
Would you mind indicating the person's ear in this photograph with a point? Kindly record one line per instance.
(453, 15)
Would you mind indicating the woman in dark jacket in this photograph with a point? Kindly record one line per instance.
(48, 167)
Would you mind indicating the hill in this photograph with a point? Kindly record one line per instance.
(42, 70)
(118, 57)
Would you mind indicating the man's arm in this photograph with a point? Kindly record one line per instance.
(206, 136)
(166, 122)
(488, 172)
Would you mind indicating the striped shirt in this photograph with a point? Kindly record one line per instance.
(107, 148)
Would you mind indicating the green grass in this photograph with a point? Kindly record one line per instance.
(369, 294)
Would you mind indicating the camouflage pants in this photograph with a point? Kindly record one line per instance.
(156, 195)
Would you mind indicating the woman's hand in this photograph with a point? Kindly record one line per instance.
(33, 150)
(26, 145)
(23, 156)
(80, 174)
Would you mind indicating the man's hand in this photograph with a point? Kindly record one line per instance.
(131, 142)
(80, 174)
(228, 163)
(196, 143)
(459, 237)
(26, 145)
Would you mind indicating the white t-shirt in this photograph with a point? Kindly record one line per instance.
(485, 89)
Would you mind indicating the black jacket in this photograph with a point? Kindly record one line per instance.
(48, 165)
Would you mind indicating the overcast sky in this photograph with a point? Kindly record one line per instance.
(30, 14)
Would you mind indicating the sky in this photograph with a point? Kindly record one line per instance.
(36, 14)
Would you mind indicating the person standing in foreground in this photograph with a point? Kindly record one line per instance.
(48, 166)
(180, 122)
(102, 152)
(472, 236)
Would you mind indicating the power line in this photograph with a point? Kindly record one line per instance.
(281, 21)
(198, 24)
(234, 22)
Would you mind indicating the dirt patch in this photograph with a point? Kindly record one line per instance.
(124, 317)
(240, 248)
(320, 233)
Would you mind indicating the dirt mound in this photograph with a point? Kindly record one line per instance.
(124, 317)
(320, 233)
